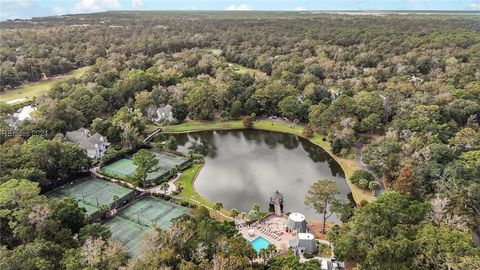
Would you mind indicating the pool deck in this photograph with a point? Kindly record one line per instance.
(275, 225)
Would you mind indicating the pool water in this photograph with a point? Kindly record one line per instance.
(260, 243)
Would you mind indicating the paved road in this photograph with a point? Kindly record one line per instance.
(364, 166)
(171, 186)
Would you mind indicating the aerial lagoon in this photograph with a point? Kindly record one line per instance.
(243, 167)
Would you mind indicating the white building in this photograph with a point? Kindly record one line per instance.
(296, 222)
(304, 243)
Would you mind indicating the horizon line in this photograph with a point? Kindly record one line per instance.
(264, 10)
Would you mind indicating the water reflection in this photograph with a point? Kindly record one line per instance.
(244, 167)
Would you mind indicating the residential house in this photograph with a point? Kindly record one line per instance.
(96, 144)
(160, 113)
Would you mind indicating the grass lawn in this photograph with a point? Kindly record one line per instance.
(27, 91)
(326, 252)
(244, 70)
(190, 194)
(190, 126)
(348, 165)
(238, 68)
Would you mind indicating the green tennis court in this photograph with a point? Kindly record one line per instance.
(121, 168)
(125, 168)
(91, 193)
(130, 225)
(130, 233)
(149, 211)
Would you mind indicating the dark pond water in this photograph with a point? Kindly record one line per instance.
(244, 167)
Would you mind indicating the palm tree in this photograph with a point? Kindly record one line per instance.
(198, 157)
(115, 198)
(180, 187)
(164, 187)
(234, 213)
(263, 254)
(174, 171)
(256, 207)
(271, 250)
(103, 209)
(217, 206)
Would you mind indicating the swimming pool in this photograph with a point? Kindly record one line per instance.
(260, 243)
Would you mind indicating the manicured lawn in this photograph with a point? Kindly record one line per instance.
(187, 178)
(189, 126)
(190, 194)
(26, 92)
(348, 165)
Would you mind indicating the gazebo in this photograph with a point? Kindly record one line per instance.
(276, 203)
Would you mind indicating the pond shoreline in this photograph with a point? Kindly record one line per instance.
(191, 195)
(348, 166)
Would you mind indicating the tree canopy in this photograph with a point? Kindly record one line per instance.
(410, 95)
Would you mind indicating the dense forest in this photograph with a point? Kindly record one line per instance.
(407, 87)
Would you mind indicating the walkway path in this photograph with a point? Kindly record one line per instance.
(209, 208)
(157, 190)
(171, 187)
(279, 120)
(154, 190)
(152, 135)
(329, 259)
(364, 166)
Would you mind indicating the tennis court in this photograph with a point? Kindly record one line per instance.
(125, 168)
(91, 193)
(130, 233)
(130, 225)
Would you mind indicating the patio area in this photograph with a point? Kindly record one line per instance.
(272, 228)
(276, 224)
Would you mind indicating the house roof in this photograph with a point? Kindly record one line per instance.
(296, 217)
(156, 113)
(165, 112)
(167, 108)
(86, 141)
(305, 241)
(151, 111)
(305, 236)
(296, 221)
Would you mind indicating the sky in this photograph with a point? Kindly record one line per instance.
(25, 9)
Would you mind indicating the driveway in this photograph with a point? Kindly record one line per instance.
(364, 166)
